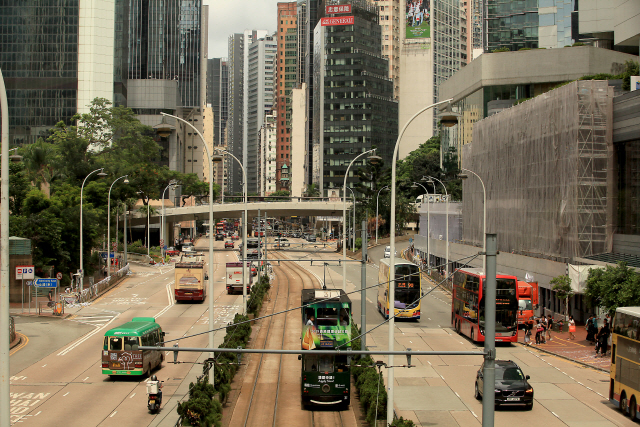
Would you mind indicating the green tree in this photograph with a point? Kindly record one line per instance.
(613, 287)
(282, 194)
(312, 191)
(562, 287)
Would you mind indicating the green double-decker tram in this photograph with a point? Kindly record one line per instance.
(326, 325)
(120, 354)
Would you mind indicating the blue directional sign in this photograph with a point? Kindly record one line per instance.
(45, 283)
(104, 255)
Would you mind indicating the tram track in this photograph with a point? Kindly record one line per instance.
(270, 392)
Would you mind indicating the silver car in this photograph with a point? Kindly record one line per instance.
(387, 252)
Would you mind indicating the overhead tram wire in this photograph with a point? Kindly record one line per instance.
(470, 258)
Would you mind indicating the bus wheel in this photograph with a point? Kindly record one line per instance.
(472, 334)
(624, 407)
(458, 327)
(632, 408)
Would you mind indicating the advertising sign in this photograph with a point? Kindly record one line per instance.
(342, 20)
(342, 8)
(418, 19)
(24, 272)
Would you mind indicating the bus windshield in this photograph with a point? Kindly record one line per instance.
(123, 343)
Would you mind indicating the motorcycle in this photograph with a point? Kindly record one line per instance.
(154, 395)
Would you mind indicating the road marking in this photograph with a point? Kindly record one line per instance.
(66, 394)
(556, 415)
(457, 394)
(132, 395)
(39, 412)
(428, 362)
(24, 340)
(44, 365)
(441, 377)
(86, 337)
(171, 301)
(114, 412)
(474, 414)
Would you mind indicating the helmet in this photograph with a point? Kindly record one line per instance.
(154, 378)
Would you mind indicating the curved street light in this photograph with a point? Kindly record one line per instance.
(353, 224)
(392, 260)
(126, 181)
(377, 225)
(430, 180)
(101, 173)
(172, 184)
(415, 185)
(373, 159)
(484, 215)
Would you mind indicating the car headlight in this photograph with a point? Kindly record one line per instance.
(497, 391)
(529, 391)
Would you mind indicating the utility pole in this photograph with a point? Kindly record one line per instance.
(489, 373)
(363, 287)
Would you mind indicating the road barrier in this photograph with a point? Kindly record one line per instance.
(94, 290)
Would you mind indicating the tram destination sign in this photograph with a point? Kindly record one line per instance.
(342, 20)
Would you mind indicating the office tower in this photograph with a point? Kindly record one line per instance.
(259, 100)
(218, 96)
(286, 72)
(391, 14)
(56, 56)
(353, 96)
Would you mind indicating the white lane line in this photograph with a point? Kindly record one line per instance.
(457, 394)
(87, 336)
(66, 394)
(85, 379)
(44, 365)
(428, 362)
(39, 412)
(441, 377)
(556, 415)
(474, 414)
(132, 395)
(171, 301)
(114, 412)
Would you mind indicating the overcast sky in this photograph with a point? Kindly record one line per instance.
(232, 16)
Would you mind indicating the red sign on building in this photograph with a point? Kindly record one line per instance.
(341, 8)
(343, 20)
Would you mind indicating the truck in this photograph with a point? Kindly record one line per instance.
(189, 278)
(527, 301)
(234, 277)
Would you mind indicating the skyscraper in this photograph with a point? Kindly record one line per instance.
(353, 97)
(218, 96)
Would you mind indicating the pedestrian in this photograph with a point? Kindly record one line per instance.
(527, 334)
(603, 339)
(572, 328)
(549, 326)
(591, 329)
(539, 330)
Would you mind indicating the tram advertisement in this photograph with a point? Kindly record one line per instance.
(326, 325)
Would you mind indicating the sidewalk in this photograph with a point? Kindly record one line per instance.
(579, 350)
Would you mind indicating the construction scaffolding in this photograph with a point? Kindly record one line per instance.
(548, 170)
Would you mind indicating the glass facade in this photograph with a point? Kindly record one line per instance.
(39, 62)
(512, 24)
(356, 97)
(218, 96)
(164, 43)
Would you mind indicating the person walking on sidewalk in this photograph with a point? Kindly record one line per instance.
(603, 340)
(549, 326)
(539, 330)
(527, 333)
(572, 328)
(591, 329)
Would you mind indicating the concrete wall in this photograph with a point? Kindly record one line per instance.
(416, 92)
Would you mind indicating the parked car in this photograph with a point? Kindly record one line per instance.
(311, 238)
(228, 244)
(171, 251)
(511, 385)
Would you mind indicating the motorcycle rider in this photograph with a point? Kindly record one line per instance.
(154, 381)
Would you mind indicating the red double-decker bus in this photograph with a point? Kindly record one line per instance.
(467, 307)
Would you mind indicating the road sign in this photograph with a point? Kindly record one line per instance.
(24, 272)
(104, 255)
(161, 242)
(114, 245)
(59, 276)
(45, 283)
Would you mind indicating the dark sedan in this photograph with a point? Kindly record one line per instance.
(511, 385)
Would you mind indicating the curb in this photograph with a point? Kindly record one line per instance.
(586, 365)
(15, 342)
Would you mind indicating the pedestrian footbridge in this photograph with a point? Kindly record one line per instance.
(273, 207)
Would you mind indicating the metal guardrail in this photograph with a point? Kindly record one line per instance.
(94, 290)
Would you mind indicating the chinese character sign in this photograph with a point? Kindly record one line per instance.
(342, 8)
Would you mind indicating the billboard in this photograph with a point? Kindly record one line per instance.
(418, 19)
(343, 20)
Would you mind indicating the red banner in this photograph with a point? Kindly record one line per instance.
(342, 8)
(343, 20)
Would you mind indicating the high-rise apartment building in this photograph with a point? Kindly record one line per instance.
(259, 100)
(286, 72)
(392, 15)
(353, 97)
(56, 56)
(267, 152)
(234, 118)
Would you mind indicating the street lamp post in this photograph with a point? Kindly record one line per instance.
(373, 159)
(126, 181)
(392, 261)
(484, 216)
(210, 290)
(415, 185)
(352, 229)
(446, 223)
(148, 208)
(377, 216)
(101, 173)
(173, 185)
